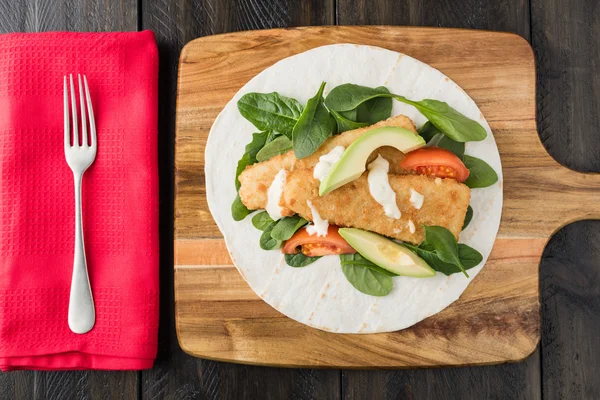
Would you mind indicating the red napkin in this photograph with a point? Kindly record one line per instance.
(120, 201)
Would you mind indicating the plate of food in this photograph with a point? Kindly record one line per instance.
(363, 197)
(369, 188)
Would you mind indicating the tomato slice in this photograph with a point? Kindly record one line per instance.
(314, 246)
(435, 161)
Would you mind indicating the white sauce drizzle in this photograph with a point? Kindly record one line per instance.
(319, 225)
(274, 195)
(380, 189)
(438, 181)
(411, 226)
(416, 199)
(326, 161)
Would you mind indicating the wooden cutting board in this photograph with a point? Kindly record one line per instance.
(497, 319)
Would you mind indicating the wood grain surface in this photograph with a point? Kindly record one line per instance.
(563, 35)
(496, 319)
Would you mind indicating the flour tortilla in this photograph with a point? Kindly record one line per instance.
(319, 295)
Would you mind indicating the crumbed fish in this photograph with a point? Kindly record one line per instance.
(256, 179)
(445, 204)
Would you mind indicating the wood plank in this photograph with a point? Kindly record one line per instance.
(85, 15)
(178, 375)
(571, 313)
(507, 381)
(568, 66)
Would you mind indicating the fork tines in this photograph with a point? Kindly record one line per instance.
(90, 112)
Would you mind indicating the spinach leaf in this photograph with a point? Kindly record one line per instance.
(314, 126)
(241, 166)
(270, 111)
(367, 280)
(287, 226)
(344, 124)
(261, 220)
(443, 141)
(480, 173)
(443, 243)
(266, 240)
(468, 217)
(238, 210)
(468, 256)
(357, 259)
(427, 131)
(434, 137)
(299, 260)
(452, 123)
(279, 145)
(349, 96)
(375, 110)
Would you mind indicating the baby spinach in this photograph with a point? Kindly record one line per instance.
(266, 240)
(344, 124)
(279, 145)
(314, 126)
(468, 218)
(469, 258)
(299, 260)
(434, 137)
(452, 123)
(357, 259)
(270, 111)
(441, 241)
(238, 210)
(261, 220)
(375, 110)
(365, 279)
(481, 174)
(252, 149)
(287, 226)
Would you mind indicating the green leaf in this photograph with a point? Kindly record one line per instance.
(367, 280)
(349, 96)
(249, 157)
(313, 128)
(375, 110)
(480, 173)
(468, 218)
(469, 258)
(287, 226)
(238, 210)
(344, 124)
(262, 220)
(270, 111)
(445, 118)
(279, 145)
(357, 259)
(452, 123)
(443, 242)
(266, 240)
(299, 260)
(427, 131)
(444, 142)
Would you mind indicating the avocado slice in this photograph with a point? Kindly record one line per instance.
(386, 253)
(352, 163)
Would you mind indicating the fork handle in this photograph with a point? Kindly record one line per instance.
(82, 315)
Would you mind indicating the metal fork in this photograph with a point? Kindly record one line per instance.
(82, 315)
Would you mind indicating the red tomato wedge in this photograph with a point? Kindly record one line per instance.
(314, 246)
(435, 161)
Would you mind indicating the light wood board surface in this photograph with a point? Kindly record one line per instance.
(497, 319)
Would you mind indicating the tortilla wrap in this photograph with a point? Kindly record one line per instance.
(319, 295)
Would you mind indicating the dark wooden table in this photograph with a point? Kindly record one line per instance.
(564, 36)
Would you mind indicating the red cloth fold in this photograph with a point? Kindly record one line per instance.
(120, 201)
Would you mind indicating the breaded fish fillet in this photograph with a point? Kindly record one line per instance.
(256, 179)
(445, 204)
